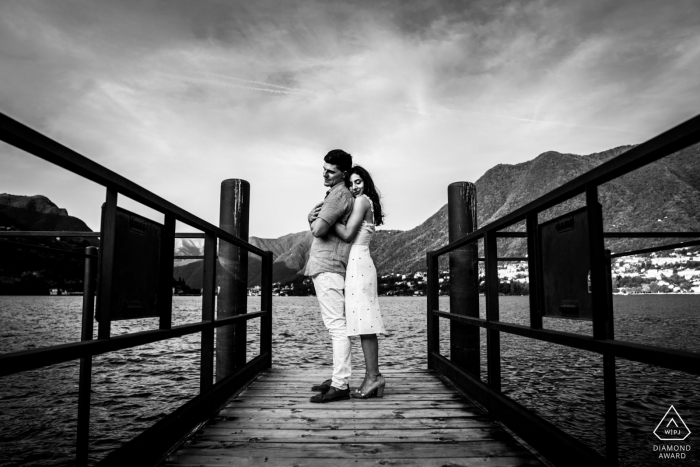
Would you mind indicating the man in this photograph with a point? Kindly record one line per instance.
(328, 259)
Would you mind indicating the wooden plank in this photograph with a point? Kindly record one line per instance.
(358, 450)
(355, 374)
(203, 461)
(438, 435)
(234, 423)
(404, 383)
(406, 396)
(330, 411)
(421, 420)
(316, 372)
(390, 383)
(372, 403)
(396, 388)
(320, 378)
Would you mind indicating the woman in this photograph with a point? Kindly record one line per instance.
(362, 312)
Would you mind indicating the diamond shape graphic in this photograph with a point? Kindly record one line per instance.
(672, 427)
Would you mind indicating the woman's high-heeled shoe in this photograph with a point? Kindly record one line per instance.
(356, 392)
(376, 389)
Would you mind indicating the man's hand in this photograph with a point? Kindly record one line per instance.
(314, 212)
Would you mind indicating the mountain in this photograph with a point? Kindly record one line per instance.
(36, 213)
(663, 196)
(27, 266)
(289, 253)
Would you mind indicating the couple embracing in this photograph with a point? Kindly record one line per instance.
(344, 275)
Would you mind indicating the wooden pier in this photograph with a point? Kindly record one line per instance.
(422, 420)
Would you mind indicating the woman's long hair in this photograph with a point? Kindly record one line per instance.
(370, 190)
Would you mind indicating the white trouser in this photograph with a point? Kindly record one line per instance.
(329, 291)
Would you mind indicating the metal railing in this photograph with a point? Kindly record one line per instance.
(556, 445)
(156, 441)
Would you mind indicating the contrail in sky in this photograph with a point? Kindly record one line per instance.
(431, 111)
(261, 86)
(262, 83)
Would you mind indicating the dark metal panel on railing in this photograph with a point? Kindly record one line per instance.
(27, 139)
(38, 358)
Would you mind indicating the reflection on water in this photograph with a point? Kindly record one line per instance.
(134, 387)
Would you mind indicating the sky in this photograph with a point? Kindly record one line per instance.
(180, 95)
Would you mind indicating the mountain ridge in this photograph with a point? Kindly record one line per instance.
(662, 196)
(36, 212)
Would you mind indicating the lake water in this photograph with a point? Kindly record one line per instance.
(135, 387)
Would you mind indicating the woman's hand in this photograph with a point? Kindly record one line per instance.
(347, 232)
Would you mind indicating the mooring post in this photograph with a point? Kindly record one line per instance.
(232, 277)
(464, 276)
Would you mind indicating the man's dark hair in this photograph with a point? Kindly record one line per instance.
(340, 159)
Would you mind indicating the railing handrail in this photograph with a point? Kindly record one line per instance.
(154, 442)
(465, 370)
(33, 142)
(26, 360)
(74, 233)
(673, 140)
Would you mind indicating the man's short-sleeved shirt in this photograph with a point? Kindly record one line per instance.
(330, 253)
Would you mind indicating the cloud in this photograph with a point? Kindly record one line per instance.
(181, 95)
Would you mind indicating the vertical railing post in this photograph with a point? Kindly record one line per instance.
(85, 378)
(233, 280)
(106, 263)
(603, 317)
(433, 303)
(165, 282)
(266, 306)
(533, 270)
(493, 339)
(464, 277)
(206, 368)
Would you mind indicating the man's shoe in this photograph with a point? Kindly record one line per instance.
(333, 394)
(323, 387)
